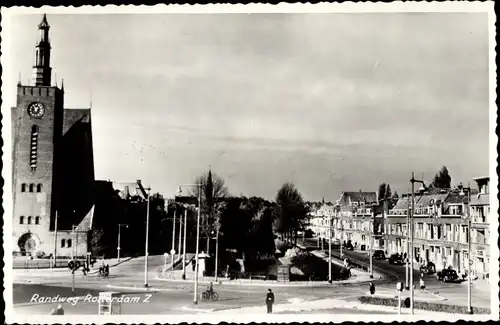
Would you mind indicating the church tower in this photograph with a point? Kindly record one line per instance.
(37, 122)
(42, 71)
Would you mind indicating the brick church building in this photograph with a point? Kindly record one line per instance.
(53, 165)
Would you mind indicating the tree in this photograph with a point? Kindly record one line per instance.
(442, 179)
(388, 192)
(290, 212)
(97, 242)
(213, 191)
(382, 188)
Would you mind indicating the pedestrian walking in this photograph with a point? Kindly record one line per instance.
(270, 301)
(422, 284)
(372, 288)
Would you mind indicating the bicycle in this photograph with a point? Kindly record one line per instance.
(207, 295)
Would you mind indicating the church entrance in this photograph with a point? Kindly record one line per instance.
(28, 244)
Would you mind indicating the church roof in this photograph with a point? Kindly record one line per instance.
(86, 223)
(73, 116)
(44, 23)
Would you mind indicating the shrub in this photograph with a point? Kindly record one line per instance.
(428, 306)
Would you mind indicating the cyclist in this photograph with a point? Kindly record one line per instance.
(210, 289)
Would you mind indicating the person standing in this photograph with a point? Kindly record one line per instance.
(270, 301)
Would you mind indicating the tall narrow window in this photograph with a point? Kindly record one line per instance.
(29, 220)
(63, 242)
(32, 187)
(24, 187)
(21, 220)
(39, 188)
(69, 242)
(34, 147)
(37, 220)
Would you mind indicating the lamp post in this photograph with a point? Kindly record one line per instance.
(372, 233)
(216, 253)
(199, 187)
(408, 247)
(421, 189)
(330, 249)
(147, 196)
(184, 248)
(469, 261)
(173, 238)
(119, 240)
(55, 241)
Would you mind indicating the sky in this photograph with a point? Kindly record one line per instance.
(330, 102)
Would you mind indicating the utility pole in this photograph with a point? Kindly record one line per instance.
(147, 196)
(55, 242)
(173, 237)
(184, 250)
(330, 249)
(180, 236)
(216, 252)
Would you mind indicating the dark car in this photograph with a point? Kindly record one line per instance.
(379, 254)
(448, 275)
(396, 259)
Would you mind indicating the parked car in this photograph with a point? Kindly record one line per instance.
(448, 275)
(396, 259)
(378, 254)
(430, 268)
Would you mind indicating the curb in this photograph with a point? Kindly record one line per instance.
(136, 288)
(275, 284)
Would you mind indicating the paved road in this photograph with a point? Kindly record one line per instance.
(177, 297)
(456, 293)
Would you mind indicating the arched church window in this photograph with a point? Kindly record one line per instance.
(63, 242)
(24, 187)
(34, 147)
(39, 188)
(37, 220)
(29, 220)
(32, 187)
(21, 220)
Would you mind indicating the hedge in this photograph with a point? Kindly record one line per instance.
(428, 306)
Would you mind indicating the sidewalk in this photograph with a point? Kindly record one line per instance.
(316, 305)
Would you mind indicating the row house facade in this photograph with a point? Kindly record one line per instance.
(441, 228)
(354, 217)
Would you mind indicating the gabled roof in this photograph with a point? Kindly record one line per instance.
(456, 198)
(402, 204)
(366, 197)
(428, 200)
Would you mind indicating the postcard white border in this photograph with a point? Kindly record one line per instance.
(368, 7)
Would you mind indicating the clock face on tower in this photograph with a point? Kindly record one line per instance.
(36, 110)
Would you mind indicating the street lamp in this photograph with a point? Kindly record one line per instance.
(55, 240)
(199, 186)
(147, 196)
(469, 261)
(330, 249)
(421, 189)
(120, 225)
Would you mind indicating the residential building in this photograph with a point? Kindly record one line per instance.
(354, 218)
(440, 228)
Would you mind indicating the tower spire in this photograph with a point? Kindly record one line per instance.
(42, 72)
